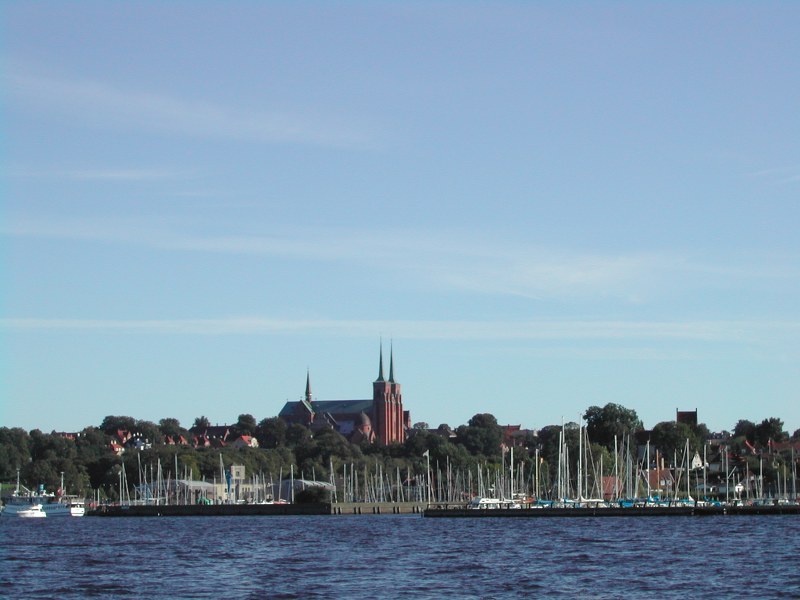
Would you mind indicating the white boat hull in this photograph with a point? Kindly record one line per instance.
(29, 512)
(48, 507)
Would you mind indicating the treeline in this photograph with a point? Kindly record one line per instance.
(89, 464)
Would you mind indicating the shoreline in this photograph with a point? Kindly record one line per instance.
(433, 511)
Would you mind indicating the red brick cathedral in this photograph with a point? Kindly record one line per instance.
(389, 420)
(381, 419)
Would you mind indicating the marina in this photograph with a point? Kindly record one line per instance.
(460, 510)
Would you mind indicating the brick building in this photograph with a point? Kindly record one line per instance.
(380, 418)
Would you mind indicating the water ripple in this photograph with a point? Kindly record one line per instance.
(400, 557)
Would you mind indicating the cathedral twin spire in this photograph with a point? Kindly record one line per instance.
(391, 366)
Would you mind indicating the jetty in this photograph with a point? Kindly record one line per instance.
(459, 510)
(685, 510)
(276, 509)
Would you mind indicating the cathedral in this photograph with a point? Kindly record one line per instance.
(380, 419)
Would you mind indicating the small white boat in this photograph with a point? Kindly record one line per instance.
(76, 508)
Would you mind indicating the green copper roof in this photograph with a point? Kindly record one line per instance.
(380, 366)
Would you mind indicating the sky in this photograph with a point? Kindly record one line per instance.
(535, 207)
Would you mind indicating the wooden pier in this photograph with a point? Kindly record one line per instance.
(433, 511)
(229, 510)
(461, 511)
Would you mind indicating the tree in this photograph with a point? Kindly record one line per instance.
(271, 432)
(549, 438)
(112, 423)
(745, 429)
(245, 425)
(669, 437)
(481, 436)
(14, 452)
(420, 425)
(603, 424)
(416, 445)
(312, 494)
(201, 423)
(92, 444)
(297, 435)
(701, 432)
(149, 431)
(769, 429)
(171, 427)
(327, 444)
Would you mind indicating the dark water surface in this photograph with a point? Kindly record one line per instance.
(400, 557)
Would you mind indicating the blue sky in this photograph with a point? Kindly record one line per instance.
(544, 206)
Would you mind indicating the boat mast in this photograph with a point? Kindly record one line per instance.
(647, 467)
(616, 470)
(581, 465)
(688, 492)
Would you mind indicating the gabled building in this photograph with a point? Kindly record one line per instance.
(244, 441)
(380, 418)
(213, 436)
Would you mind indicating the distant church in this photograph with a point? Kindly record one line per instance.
(381, 419)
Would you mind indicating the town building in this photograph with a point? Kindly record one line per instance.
(379, 419)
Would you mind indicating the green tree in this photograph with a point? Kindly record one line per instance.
(550, 437)
(14, 452)
(171, 427)
(669, 438)
(297, 435)
(330, 443)
(91, 445)
(245, 425)
(112, 423)
(603, 424)
(769, 429)
(745, 429)
(481, 436)
(271, 432)
(149, 432)
(201, 423)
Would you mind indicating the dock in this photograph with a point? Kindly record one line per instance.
(230, 510)
(433, 511)
(461, 511)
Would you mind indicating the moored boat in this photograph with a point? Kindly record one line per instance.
(22, 500)
(31, 512)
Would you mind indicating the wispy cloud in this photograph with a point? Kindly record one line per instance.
(121, 174)
(778, 175)
(746, 332)
(443, 260)
(126, 175)
(108, 106)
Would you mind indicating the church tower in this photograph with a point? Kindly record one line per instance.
(387, 405)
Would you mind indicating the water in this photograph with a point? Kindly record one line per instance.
(400, 557)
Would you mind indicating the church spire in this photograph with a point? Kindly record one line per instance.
(380, 366)
(308, 386)
(391, 363)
